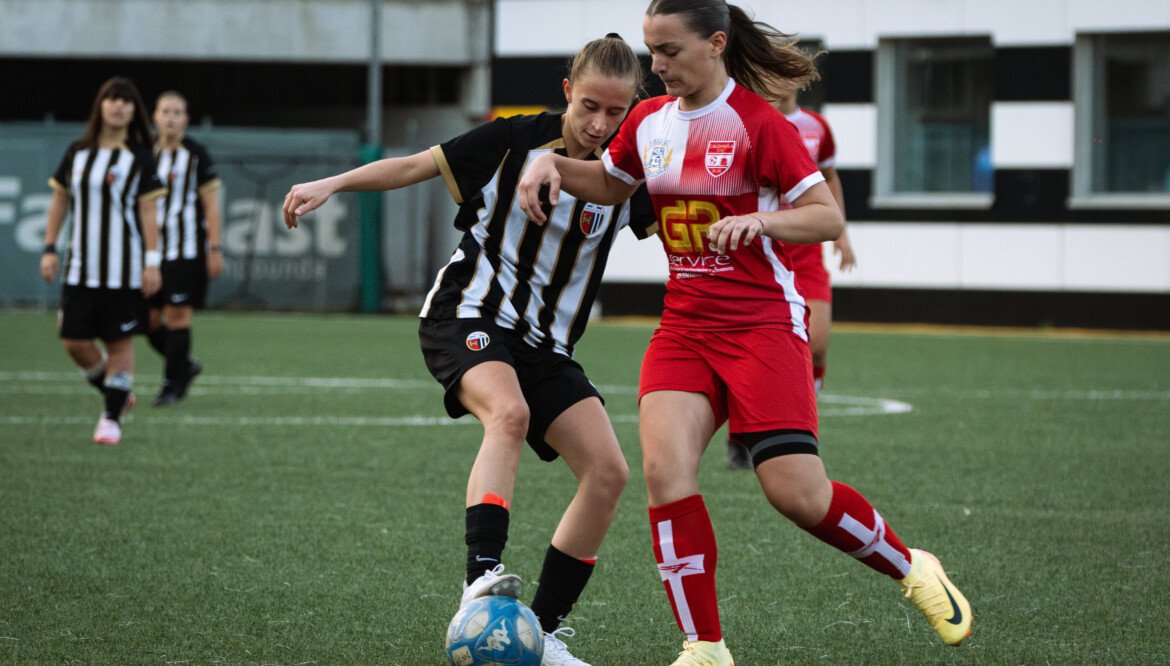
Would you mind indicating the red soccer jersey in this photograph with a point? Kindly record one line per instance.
(808, 260)
(817, 136)
(735, 156)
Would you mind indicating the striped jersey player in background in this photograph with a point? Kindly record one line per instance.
(189, 236)
(499, 325)
(107, 184)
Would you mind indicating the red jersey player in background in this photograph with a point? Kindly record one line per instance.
(808, 261)
(717, 159)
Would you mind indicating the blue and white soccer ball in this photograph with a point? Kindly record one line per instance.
(494, 631)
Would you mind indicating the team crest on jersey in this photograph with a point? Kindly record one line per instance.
(720, 154)
(592, 218)
(813, 143)
(478, 340)
(656, 157)
(111, 176)
(173, 175)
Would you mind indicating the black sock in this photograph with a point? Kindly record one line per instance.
(178, 351)
(487, 532)
(562, 578)
(115, 401)
(158, 339)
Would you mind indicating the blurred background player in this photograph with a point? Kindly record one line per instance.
(499, 325)
(189, 236)
(107, 183)
(808, 261)
(717, 160)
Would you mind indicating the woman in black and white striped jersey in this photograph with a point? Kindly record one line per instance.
(107, 182)
(189, 237)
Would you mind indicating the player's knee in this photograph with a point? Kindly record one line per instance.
(610, 477)
(509, 419)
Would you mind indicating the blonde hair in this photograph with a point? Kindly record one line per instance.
(609, 56)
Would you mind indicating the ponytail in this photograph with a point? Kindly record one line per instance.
(757, 55)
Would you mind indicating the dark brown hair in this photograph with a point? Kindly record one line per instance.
(756, 53)
(121, 88)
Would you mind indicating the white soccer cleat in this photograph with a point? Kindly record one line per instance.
(556, 653)
(108, 431)
(493, 582)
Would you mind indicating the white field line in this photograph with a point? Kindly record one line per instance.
(68, 383)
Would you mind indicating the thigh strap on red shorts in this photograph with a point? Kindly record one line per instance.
(774, 443)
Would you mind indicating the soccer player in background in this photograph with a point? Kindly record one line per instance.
(716, 159)
(499, 325)
(107, 182)
(189, 236)
(808, 261)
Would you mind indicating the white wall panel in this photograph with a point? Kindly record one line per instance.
(1118, 258)
(998, 256)
(633, 260)
(904, 255)
(562, 27)
(855, 132)
(1028, 257)
(1119, 15)
(1020, 23)
(1032, 134)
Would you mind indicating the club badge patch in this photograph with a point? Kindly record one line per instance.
(592, 218)
(720, 155)
(813, 143)
(478, 340)
(656, 157)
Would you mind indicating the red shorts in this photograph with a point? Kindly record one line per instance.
(812, 279)
(757, 379)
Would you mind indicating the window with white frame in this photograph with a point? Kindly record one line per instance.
(1122, 98)
(934, 116)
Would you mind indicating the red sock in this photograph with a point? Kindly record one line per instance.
(854, 526)
(684, 546)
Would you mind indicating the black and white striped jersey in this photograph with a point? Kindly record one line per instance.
(104, 187)
(540, 281)
(187, 171)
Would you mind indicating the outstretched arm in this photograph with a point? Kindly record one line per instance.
(585, 180)
(813, 218)
(388, 174)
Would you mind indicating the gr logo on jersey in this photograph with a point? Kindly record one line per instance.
(592, 218)
(478, 340)
(656, 157)
(720, 155)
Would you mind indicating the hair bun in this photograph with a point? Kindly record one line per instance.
(613, 35)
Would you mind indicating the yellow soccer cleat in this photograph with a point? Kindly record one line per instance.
(928, 587)
(704, 653)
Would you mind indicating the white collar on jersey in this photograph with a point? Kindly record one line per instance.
(699, 113)
(795, 114)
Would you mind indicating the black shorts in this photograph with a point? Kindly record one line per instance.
(551, 382)
(109, 314)
(184, 282)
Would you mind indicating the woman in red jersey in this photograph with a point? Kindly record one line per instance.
(717, 161)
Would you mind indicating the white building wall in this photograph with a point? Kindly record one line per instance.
(550, 27)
